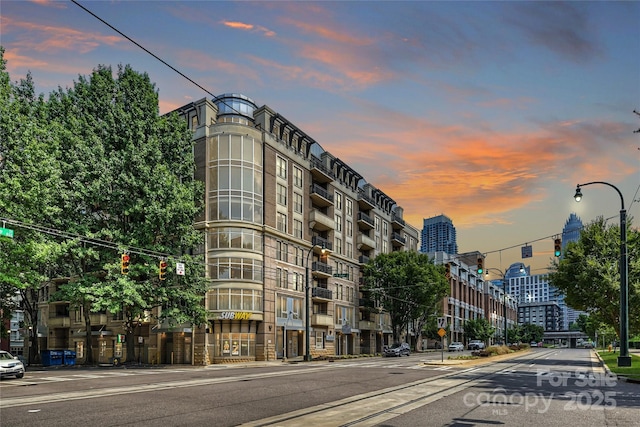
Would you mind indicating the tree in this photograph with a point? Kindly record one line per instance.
(588, 274)
(130, 187)
(29, 182)
(408, 285)
(531, 333)
(478, 329)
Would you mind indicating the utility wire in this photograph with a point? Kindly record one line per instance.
(152, 54)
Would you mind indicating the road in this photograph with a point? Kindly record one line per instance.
(545, 387)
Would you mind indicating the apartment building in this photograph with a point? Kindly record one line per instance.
(473, 297)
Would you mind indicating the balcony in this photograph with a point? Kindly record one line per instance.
(367, 325)
(59, 322)
(396, 222)
(321, 269)
(320, 196)
(365, 222)
(365, 242)
(98, 318)
(319, 171)
(320, 243)
(365, 202)
(363, 259)
(321, 319)
(322, 294)
(397, 239)
(320, 221)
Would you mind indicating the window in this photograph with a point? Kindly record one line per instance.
(349, 252)
(297, 228)
(338, 224)
(349, 228)
(338, 201)
(385, 246)
(377, 222)
(281, 222)
(349, 208)
(282, 251)
(297, 203)
(338, 246)
(297, 177)
(281, 167)
(299, 256)
(385, 228)
(319, 340)
(281, 192)
(278, 277)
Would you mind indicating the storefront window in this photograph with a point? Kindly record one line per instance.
(235, 345)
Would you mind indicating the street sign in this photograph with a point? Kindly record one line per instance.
(343, 275)
(180, 268)
(527, 251)
(442, 322)
(6, 232)
(442, 332)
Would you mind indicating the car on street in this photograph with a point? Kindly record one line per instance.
(10, 366)
(456, 346)
(398, 350)
(476, 345)
(533, 344)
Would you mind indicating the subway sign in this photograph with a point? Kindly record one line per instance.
(234, 315)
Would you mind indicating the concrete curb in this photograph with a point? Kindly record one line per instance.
(610, 372)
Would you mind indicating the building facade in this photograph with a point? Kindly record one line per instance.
(282, 214)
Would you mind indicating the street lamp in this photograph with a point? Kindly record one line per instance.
(307, 321)
(624, 359)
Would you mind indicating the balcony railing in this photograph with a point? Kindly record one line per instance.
(365, 242)
(363, 259)
(320, 221)
(397, 239)
(397, 222)
(320, 196)
(322, 242)
(321, 319)
(319, 171)
(321, 268)
(365, 202)
(365, 221)
(321, 293)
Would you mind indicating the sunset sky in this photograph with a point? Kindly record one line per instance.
(487, 112)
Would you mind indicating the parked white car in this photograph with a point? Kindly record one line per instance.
(456, 346)
(10, 366)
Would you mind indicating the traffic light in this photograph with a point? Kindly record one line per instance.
(162, 275)
(480, 265)
(447, 270)
(124, 263)
(557, 247)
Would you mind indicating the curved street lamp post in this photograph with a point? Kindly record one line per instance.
(624, 359)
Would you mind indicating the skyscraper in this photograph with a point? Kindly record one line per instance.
(439, 235)
(571, 233)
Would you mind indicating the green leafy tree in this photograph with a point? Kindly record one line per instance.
(29, 183)
(478, 329)
(589, 276)
(408, 285)
(530, 333)
(129, 186)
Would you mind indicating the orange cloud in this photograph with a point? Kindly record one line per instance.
(475, 175)
(248, 27)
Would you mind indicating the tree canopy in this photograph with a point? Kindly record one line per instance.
(588, 274)
(408, 285)
(99, 169)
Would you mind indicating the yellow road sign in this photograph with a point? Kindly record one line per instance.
(442, 332)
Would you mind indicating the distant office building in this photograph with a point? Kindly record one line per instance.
(571, 230)
(439, 235)
(546, 314)
(571, 233)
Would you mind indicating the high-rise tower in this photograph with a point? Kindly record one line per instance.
(439, 235)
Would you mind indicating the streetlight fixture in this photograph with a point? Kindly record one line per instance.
(307, 317)
(624, 359)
